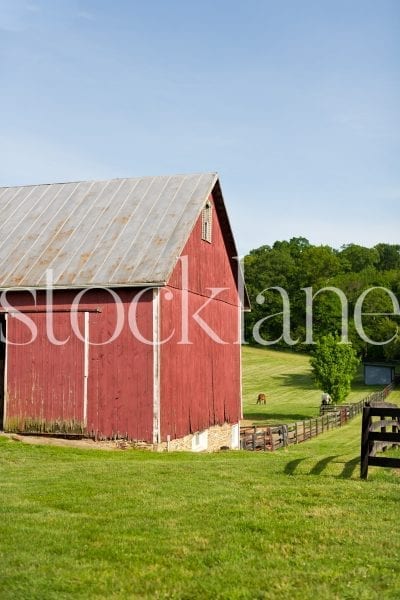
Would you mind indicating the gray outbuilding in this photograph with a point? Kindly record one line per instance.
(379, 373)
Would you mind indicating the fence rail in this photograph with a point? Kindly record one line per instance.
(272, 437)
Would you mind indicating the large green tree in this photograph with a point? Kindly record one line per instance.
(296, 264)
(334, 365)
(356, 258)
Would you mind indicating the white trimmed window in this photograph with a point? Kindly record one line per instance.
(206, 223)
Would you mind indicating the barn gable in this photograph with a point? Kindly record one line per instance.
(200, 366)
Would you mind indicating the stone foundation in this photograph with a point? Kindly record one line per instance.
(214, 438)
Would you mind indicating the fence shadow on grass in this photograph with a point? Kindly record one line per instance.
(322, 464)
(291, 466)
(349, 467)
(347, 472)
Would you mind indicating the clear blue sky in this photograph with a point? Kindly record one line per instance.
(295, 103)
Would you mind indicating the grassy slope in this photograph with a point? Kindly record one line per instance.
(95, 524)
(297, 523)
(286, 379)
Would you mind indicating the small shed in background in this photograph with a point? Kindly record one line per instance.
(379, 373)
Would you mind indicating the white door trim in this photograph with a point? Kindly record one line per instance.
(156, 366)
(85, 367)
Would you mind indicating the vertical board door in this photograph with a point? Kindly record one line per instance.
(45, 377)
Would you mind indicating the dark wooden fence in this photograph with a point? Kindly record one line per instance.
(272, 437)
(375, 437)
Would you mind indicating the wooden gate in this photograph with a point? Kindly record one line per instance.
(375, 436)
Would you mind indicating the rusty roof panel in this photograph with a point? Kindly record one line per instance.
(120, 232)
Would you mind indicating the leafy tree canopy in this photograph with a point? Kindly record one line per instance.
(334, 365)
(296, 264)
(389, 256)
(358, 258)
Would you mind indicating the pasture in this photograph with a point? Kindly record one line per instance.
(285, 378)
(294, 524)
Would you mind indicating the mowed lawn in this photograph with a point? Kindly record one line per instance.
(296, 524)
(286, 379)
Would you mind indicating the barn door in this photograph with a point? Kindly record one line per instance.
(46, 380)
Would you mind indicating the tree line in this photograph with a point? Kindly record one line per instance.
(297, 264)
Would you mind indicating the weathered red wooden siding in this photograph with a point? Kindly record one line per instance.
(45, 381)
(200, 382)
(121, 373)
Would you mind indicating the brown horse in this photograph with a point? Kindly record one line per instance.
(262, 399)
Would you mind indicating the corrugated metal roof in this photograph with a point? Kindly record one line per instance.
(120, 232)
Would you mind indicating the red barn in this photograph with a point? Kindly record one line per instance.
(120, 311)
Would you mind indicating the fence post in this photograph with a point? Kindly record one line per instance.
(285, 435)
(365, 444)
(271, 437)
(383, 430)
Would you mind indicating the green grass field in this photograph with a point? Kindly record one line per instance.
(297, 524)
(286, 379)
